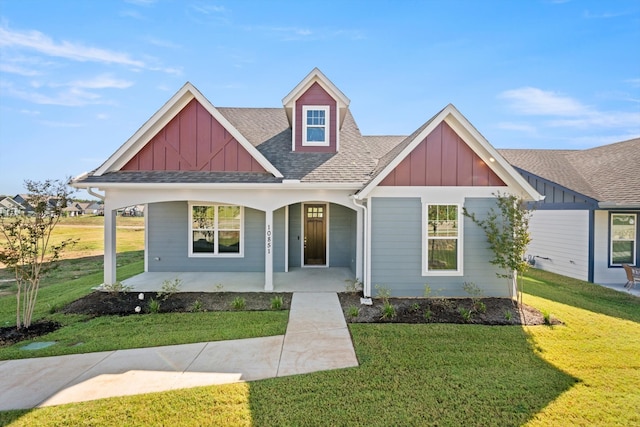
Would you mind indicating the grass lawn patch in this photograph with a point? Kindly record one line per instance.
(106, 333)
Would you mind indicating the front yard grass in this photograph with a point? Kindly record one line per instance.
(585, 372)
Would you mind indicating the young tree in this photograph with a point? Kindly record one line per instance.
(27, 246)
(507, 232)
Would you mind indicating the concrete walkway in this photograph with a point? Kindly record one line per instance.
(316, 339)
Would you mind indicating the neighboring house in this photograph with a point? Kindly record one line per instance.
(73, 209)
(9, 207)
(587, 226)
(271, 189)
(95, 208)
(24, 200)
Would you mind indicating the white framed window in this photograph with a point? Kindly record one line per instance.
(623, 238)
(315, 125)
(442, 240)
(216, 230)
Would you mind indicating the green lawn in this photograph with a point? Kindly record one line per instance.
(585, 372)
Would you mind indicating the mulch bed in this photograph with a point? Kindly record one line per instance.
(407, 310)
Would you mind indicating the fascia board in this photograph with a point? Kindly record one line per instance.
(163, 116)
(354, 186)
(403, 154)
(148, 130)
(316, 76)
(486, 151)
(253, 151)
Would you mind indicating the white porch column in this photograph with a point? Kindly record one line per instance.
(359, 244)
(109, 245)
(268, 250)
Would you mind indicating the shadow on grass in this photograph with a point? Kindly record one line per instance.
(9, 417)
(419, 375)
(581, 294)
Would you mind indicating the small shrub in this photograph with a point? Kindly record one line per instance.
(415, 307)
(169, 287)
(154, 306)
(196, 306)
(427, 290)
(383, 293)
(508, 315)
(238, 303)
(388, 311)
(116, 288)
(547, 317)
(465, 313)
(480, 307)
(276, 303)
(428, 314)
(353, 311)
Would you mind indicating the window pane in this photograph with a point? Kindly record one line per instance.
(315, 117)
(229, 218)
(623, 227)
(203, 241)
(203, 217)
(315, 134)
(229, 242)
(622, 252)
(443, 221)
(443, 254)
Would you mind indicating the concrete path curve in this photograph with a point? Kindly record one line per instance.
(316, 339)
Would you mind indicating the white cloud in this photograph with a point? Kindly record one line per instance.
(520, 127)
(103, 81)
(14, 69)
(41, 43)
(69, 97)
(564, 111)
(142, 2)
(534, 101)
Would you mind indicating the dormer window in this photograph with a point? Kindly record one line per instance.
(315, 125)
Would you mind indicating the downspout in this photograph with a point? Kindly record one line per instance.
(366, 288)
(94, 194)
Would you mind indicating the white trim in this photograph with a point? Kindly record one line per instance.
(475, 141)
(163, 116)
(327, 126)
(326, 230)
(268, 251)
(286, 239)
(146, 238)
(216, 230)
(353, 186)
(425, 241)
(315, 76)
(293, 129)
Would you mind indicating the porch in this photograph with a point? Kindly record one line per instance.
(333, 279)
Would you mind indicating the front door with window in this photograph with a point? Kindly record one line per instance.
(315, 234)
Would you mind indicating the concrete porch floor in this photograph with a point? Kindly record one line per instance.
(332, 279)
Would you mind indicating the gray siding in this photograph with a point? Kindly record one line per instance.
(294, 235)
(396, 251)
(168, 240)
(342, 237)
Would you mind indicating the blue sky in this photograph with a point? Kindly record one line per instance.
(78, 78)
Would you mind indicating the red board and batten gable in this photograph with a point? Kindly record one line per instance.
(442, 159)
(316, 95)
(193, 141)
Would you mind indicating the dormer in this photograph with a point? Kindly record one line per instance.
(316, 109)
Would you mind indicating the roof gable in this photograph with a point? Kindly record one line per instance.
(489, 162)
(442, 159)
(137, 154)
(315, 76)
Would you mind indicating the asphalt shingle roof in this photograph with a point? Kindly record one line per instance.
(609, 173)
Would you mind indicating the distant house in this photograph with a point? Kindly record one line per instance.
(24, 200)
(587, 226)
(9, 207)
(264, 190)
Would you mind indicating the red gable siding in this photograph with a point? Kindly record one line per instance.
(316, 95)
(442, 159)
(193, 141)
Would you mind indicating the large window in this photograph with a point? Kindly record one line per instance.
(623, 238)
(215, 230)
(315, 125)
(442, 240)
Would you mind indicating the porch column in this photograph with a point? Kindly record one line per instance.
(268, 250)
(359, 244)
(109, 245)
